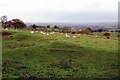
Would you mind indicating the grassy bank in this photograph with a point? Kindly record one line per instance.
(27, 55)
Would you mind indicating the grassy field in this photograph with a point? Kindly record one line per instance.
(26, 55)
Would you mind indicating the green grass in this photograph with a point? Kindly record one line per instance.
(27, 55)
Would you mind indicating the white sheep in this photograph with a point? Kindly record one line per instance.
(61, 33)
(47, 34)
(52, 32)
(36, 31)
(42, 33)
(84, 34)
(67, 36)
(74, 36)
(79, 34)
(6, 29)
(96, 36)
(32, 32)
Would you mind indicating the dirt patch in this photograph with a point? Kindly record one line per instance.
(6, 33)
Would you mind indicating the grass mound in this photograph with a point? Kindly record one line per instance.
(27, 55)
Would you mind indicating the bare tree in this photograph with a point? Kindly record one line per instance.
(3, 20)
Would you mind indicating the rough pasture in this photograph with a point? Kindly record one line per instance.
(27, 55)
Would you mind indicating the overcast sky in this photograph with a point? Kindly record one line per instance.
(60, 10)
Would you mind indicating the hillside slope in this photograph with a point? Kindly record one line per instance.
(27, 55)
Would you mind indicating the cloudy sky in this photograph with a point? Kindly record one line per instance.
(60, 10)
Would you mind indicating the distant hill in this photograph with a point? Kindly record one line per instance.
(76, 24)
(94, 26)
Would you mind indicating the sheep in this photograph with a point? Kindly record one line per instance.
(74, 36)
(36, 31)
(116, 38)
(32, 32)
(61, 33)
(79, 34)
(84, 34)
(67, 36)
(47, 34)
(96, 36)
(6, 29)
(42, 33)
(52, 32)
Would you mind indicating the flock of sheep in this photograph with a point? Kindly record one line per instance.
(67, 35)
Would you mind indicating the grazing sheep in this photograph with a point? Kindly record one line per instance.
(52, 32)
(74, 36)
(47, 34)
(84, 34)
(32, 32)
(42, 33)
(6, 29)
(116, 38)
(36, 31)
(79, 34)
(61, 33)
(67, 36)
(96, 36)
